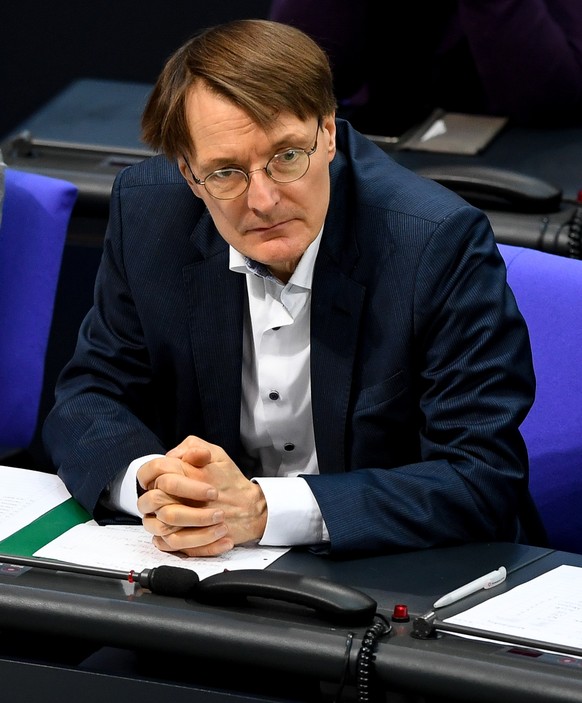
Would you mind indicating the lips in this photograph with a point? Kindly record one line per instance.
(270, 228)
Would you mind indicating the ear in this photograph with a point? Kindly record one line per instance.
(328, 125)
(187, 176)
(184, 170)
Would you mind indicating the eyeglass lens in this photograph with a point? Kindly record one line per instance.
(286, 167)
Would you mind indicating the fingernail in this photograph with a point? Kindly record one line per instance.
(211, 494)
(217, 517)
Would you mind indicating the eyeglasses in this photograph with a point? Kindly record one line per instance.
(285, 167)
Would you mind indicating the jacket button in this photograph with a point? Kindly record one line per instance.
(288, 446)
(274, 395)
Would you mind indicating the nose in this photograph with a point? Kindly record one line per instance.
(262, 192)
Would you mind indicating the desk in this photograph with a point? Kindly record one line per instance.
(85, 134)
(92, 129)
(551, 155)
(267, 647)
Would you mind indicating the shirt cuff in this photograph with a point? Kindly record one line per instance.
(123, 489)
(293, 514)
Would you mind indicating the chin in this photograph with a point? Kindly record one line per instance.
(276, 252)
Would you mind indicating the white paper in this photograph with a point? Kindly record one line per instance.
(25, 495)
(546, 609)
(129, 547)
(437, 129)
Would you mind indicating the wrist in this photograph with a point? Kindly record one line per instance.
(259, 511)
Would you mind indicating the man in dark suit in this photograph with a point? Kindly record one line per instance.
(294, 341)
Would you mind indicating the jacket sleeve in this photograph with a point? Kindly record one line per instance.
(104, 405)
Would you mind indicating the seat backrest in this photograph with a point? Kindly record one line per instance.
(548, 290)
(35, 218)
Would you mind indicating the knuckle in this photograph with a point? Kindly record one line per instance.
(173, 541)
(156, 499)
(168, 514)
(168, 483)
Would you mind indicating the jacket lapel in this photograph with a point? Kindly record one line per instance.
(215, 302)
(335, 314)
(336, 308)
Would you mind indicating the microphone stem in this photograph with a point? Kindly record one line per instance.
(63, 566)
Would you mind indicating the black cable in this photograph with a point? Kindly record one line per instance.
(575, 234)
(346, 668)
(366, 657)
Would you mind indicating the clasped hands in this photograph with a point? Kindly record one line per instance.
(198, 502)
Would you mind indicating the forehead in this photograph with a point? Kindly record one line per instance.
(218, 127)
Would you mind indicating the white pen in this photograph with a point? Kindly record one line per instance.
(488, 581)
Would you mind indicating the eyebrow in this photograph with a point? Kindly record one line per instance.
(286, 142)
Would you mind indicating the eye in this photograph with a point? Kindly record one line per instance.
(288, 157)
(225, 174)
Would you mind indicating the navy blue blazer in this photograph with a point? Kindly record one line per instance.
(420, 360)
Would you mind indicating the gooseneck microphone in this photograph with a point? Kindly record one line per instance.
(163, 580)
(332, 601)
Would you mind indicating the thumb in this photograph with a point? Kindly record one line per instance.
(191, 452)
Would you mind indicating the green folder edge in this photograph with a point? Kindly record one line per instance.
(29, 539)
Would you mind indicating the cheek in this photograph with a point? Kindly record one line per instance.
(225, 217)
(315, 200)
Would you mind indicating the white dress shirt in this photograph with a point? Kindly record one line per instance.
(276, 421)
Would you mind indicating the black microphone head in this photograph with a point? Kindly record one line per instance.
(172, 581)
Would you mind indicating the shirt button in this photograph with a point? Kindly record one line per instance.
(274, 395)
(288, 446)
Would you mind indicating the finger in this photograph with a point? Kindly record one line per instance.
(221, 546)
(190, 538)
(178, 510)
(191, 444)
(148, 472)
(178, 515)
(153, 500)
(181, 486)
(214, 549)
(154, 526)
(196, 456)
(157, 525)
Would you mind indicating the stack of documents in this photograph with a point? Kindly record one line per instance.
(38, 517)
(545, 613)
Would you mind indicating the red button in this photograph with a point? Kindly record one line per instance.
(400, 613)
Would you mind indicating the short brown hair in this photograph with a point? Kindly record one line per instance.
(261, 66)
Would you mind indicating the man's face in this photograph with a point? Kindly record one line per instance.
(272, 223)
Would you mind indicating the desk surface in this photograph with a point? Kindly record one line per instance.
(94, 112)
(105, 116)
(291, 641)
(553, 155)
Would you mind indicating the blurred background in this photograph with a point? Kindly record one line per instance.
(46, 48)
(47, 45)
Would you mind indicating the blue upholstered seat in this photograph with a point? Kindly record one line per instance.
(548, 289)
(35, 218)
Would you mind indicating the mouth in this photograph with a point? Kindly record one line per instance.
(269, 230)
